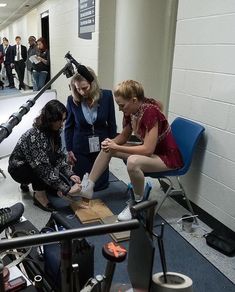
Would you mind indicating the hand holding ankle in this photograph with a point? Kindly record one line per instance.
(76, 188)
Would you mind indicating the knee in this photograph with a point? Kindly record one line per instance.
(132, 163)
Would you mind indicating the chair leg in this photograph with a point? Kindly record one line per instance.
(187, 201)
(167, 193)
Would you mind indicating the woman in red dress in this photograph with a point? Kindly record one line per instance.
(158, 151)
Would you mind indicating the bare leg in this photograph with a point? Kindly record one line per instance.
(99, 166)
(137, 165)
(102, 162)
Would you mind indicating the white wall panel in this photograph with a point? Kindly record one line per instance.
(223, 88)
(210, 112)
(231, 120)
(202, 30)
(220, 142)
(180, 103)
(198, 83)
(207, 58)
(196, 8)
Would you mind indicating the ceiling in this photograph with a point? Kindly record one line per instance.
(15, 9)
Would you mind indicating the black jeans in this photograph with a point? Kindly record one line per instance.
(26, 175)
(20, 68)
(9, 74)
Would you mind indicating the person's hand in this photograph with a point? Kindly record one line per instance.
(75, 179)
(104, 145)
(71, 158)
(40, 59)
(76, 188)
(109, 145)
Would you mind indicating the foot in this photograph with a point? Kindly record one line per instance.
(125, 215)
(87, 187)
(40, 200)
(10, 215)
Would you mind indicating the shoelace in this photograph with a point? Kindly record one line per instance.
(4, 215)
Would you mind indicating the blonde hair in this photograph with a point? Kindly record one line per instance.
(94, 91)
(129, 89)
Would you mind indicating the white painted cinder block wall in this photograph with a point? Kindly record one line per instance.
(203, 89)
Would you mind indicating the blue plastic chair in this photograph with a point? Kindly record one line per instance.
(187, 135)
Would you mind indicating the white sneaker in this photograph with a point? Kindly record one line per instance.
(125, 215)
(87, 187)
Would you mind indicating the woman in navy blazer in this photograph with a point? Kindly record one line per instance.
(90, 120)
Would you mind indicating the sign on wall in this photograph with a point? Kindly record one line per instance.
(86, 16)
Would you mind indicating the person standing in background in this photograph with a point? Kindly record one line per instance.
(8, 62)
(1, 64)
(20, 57)
(32, 51)
(1, 56)
(90, 120)
(41, 67)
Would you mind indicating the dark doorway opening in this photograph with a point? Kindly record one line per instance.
(46, 34)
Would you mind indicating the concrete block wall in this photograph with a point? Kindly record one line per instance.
(203, 90)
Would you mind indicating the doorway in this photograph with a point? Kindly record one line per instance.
(46, 34)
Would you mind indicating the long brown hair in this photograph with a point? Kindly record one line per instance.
(43, 41)
(94, 91)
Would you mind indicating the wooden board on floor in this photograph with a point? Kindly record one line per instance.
(95, 210)
(116, 236)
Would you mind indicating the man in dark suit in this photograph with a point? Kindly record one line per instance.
(20, 57)
(8, 61)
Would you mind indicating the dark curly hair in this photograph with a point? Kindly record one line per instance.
(52, 112)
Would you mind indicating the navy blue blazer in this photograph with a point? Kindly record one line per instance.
(9, 58)
(77, 130)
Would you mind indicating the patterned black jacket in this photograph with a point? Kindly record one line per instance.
(34, 149)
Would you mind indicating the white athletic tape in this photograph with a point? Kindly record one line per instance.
(175, 282)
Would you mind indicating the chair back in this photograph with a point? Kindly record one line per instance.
(187, 134)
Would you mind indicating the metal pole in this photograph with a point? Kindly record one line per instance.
(38, 239)
(66, 266)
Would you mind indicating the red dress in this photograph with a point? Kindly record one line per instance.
(145, 119)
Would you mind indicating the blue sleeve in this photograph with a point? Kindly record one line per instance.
(69, 126)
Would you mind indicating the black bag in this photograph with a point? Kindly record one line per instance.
(82, 254)
(221, 242)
